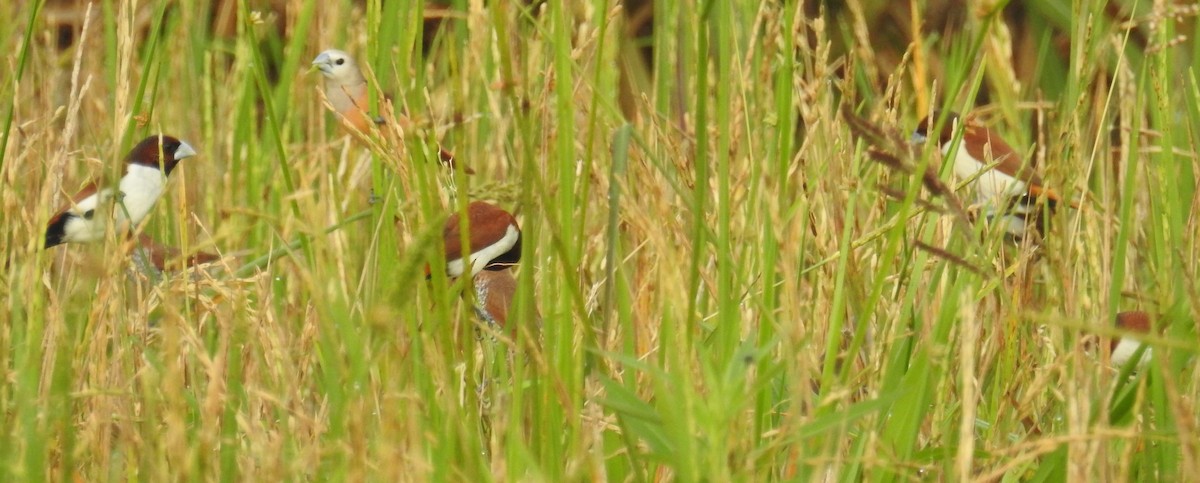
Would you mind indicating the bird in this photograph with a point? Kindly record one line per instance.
(346, 90)
(1123, 348)
(495, 240)
(495, 246)
(147, 167)
(1010, 190)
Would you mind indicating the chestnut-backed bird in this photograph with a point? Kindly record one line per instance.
(147, 167)
(494, 236)
(1003, 185)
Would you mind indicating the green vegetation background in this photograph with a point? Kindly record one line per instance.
(730, 286)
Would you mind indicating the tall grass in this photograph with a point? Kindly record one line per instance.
(714, 286)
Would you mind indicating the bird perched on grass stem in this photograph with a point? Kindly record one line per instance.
(346, 90)
(142, 184)
(1004, 186)
(495, 248)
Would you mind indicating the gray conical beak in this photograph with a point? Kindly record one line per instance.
(184, 150)
(323, 62)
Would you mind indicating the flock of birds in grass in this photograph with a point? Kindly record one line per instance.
(1011, 197)
(493, 235)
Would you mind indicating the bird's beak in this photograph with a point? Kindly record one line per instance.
(184, 150)
(917, 138)
(323, 63)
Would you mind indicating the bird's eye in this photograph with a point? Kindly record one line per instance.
(340, 61)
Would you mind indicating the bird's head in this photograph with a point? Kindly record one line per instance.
(160, 151)
(947, 133)
(338, 66)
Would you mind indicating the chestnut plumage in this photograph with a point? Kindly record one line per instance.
(1009, 190)
(981, 147)
(494, 292)
(495, 239)
(1124, 347)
